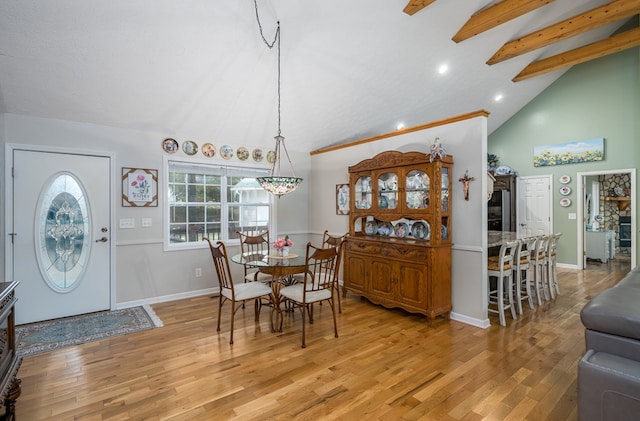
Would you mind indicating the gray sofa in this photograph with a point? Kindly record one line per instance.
(609, 372)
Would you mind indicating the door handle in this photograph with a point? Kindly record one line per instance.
(102, 240)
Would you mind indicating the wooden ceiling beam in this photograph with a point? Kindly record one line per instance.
(594, 18)
(496, 14)
(614, 44)
(414, 6)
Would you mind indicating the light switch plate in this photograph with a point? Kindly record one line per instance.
(572, 216)
(127, 223)
(146, 222)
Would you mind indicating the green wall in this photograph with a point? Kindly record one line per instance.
(600, 98)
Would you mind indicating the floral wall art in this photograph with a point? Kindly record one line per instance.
(569, 153)
(139, 187)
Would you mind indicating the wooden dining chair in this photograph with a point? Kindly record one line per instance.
(235, 293)
(322, 266)
(329, 240)
(501, 267)
(254, 244)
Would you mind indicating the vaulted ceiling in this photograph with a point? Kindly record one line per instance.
(199, 70)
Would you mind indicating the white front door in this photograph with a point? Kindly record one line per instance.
(534, 205)
(61, 234)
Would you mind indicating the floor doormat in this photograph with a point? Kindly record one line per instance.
(38, 337)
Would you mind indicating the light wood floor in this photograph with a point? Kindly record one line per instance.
(385, 365)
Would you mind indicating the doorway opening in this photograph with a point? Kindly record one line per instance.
(606, 217)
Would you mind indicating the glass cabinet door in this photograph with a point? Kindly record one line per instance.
(388, 191)
(362, 196)
(417, 190)
(445, 189)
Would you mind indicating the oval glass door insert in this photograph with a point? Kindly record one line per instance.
(62, 232)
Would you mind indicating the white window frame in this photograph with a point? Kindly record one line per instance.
(223, 170)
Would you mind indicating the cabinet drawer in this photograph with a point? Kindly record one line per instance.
(404, 252)
(363, 247)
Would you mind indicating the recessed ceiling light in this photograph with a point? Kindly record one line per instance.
(443, 69)
(497, 98)
(399, 126)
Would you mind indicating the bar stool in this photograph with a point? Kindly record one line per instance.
(523, 266)
(501, 267)
(552, 276)
(539, 259)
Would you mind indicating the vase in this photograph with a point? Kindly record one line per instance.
(283, 252)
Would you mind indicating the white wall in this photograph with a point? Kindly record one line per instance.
(466, 141)
(144, 272)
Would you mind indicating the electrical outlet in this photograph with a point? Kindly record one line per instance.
(198, 272)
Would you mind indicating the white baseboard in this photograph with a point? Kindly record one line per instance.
(483, 324)
(165, 298)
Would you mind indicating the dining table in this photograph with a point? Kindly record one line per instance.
(281, 268)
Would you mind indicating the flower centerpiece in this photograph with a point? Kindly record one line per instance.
(282, 245)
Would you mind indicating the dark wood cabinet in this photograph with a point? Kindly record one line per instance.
(9, 360)
(398, 264)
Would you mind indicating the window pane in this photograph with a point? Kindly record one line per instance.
(196, 193)
(212, 194)
(195, 232)
(213, 214)
(195, 213)
(177, 193)
(178, 233)
(213, 231)
(195, 178)
(178, 214)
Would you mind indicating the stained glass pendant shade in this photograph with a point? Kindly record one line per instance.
(275, 183)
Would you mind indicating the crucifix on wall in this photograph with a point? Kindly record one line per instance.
(465, 184)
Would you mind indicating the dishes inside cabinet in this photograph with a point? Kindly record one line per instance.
(385, 228)
(421, 230)
(383, 203)
(370, 227)
(401, 230)
(445, 232)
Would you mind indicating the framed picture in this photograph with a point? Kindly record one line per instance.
(342, 199)
(139, 187)
(569, 153)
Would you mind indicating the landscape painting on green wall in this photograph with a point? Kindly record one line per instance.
(569, 153)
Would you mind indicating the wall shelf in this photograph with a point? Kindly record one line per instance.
(623, 202)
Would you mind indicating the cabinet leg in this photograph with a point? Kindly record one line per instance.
(10, 400)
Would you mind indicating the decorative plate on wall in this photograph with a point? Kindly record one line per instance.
(170, 145)
(565, 201)
(257, 155)
(190, 147)
(242, 153)
(565, 179)
(226, 151)
(208, 150)
(565, 190)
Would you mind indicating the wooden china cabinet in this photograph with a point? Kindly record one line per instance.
(398, 253)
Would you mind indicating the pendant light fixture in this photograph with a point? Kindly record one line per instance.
(276, 183)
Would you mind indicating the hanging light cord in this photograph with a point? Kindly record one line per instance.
(279, 138)
(270, 45)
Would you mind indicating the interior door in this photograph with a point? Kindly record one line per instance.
(534, 205)
(61, 234)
